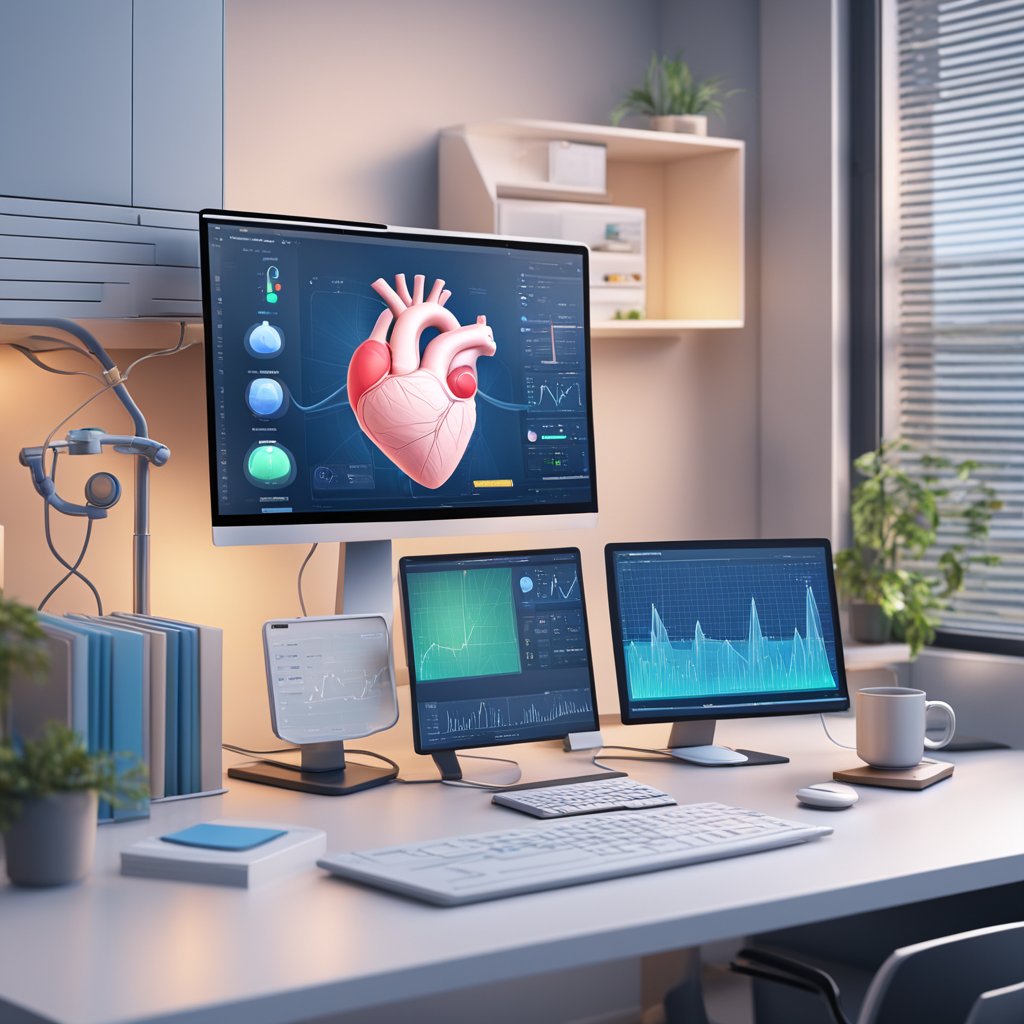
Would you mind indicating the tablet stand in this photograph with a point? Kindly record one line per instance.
(323, 771)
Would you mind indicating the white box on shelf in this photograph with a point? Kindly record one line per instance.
(578, 164)
(616, 236)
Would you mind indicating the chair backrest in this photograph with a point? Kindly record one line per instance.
(1000, 1006)
(939, 981)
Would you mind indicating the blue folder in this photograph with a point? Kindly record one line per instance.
(127, 709)
(100, 683)
(189, 746)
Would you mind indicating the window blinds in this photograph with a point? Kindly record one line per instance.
(957, 287)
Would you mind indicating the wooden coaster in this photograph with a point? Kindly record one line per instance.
(921, 776)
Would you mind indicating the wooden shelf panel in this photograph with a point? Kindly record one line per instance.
(657, 328)
(636, 144)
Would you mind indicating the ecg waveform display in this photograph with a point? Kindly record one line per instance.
(661, 668)
(451, 721)
(551, 584)
(463, 623)
(555, 391)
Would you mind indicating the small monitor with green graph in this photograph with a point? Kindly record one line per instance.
(498, 650)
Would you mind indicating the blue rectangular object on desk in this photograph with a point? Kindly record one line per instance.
(223, 837)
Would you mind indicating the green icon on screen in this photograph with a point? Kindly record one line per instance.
(270, 465)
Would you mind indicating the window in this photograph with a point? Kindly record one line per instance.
(953, 269)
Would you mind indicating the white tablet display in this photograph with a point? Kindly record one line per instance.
(330, 677)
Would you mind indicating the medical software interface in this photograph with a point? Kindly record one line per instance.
(703, 632)
(498, 648)
(356, 375)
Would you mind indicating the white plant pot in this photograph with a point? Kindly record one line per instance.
(689, 124)
(53, 840)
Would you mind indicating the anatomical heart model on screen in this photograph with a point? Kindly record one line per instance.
(419, 412)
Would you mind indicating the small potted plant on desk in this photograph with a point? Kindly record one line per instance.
(49, 785)
(673, 99)
(896, 509)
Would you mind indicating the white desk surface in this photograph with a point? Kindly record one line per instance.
(117, 949)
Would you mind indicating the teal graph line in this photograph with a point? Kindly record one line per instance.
(665, 669)
(463, 623)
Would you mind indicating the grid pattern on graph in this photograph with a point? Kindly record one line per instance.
(716, 591)
(463, 623)
(709, 627)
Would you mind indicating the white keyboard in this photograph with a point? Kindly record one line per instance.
(594, 795)
(549, 855)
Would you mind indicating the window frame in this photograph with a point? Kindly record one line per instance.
(873, 63)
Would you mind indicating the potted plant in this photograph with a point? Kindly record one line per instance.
(896, 515)
(49, 785)
(673, 99)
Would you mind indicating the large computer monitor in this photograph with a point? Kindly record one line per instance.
(498, 650)
(368, 382)
(704, 630)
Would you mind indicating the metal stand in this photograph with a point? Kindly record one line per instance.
(323, 771)
(140, 540)
(447, 762)
(365, 581)
(692, 742)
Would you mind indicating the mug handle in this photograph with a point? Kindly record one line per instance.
(950, 724)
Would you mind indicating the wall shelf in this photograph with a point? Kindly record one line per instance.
(690, 186)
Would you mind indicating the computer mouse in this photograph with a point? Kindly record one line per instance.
(830, 796)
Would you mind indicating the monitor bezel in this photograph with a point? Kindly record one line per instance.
(626, 712)
(384, 523)
(413, 560)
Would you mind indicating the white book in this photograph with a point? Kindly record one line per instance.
(296, 850)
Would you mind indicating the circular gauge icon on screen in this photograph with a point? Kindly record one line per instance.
(266, 398)
(269, 465)
(264, 340)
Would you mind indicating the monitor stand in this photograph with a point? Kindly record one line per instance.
(692, 742)
(484, 772)
(323, 771)
(365, 580)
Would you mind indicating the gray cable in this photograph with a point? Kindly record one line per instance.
(845, 746)
(302, 569)
(72, 569)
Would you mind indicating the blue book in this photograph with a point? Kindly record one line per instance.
(188, 702)
(100, 662)
(129, 716)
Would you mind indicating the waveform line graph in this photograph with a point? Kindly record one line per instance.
(463, 623)
(450, 720)
(661, 668)
(562, 391)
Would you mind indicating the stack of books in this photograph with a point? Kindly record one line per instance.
(145, 687)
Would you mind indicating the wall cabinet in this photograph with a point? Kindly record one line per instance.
(691, 188)
(114, 141)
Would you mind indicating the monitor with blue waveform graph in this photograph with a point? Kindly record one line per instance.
(497, 647)
(725, 629)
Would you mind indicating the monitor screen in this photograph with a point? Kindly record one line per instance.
(363, 376)
(725, 629)
(498, 648)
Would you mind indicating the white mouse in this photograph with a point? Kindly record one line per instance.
(832, 796)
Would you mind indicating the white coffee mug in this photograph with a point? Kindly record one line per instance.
(891, 726)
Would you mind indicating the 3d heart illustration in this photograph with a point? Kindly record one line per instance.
(420, 412)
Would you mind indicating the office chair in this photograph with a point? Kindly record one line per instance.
(1000, 1006)
(935, 982)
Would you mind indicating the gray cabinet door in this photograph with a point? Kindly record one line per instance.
(178, 115)
(66, 112)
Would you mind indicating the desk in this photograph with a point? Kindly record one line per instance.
(124, 949)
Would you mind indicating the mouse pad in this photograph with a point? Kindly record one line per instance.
(223, 837)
